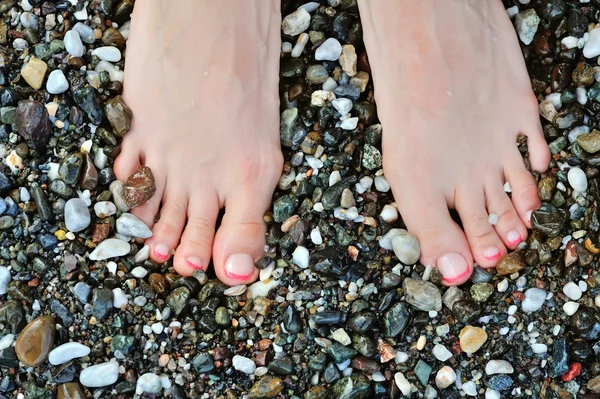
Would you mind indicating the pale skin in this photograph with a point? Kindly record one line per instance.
(202, 80)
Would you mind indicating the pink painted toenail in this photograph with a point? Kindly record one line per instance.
(161, 251)
(453, 267)
(528, 216)
(239, 267)
(491, 253)
(194, 263)
(513, 237)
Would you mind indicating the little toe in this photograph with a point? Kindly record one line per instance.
(167, 231)
(509, 226)
(240, 240)
(194, 250)
(524, 189)
(126, 163)
(484, 242)
(443, 244)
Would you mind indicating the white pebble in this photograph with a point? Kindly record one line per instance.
(129, 225)
(77, 215)
(342, 105)
(350, 123)
(315, 236)
(502, 286)
(534, 300)
(539, 348)
(582, 97)
(110, 248)
(381, 184)
(57, 82)
(441, 353)
(570, 308)
(577, 179)
(300, 257)
(493, 219)
(572, 291)
(498, 367)
(469, 388)
(139, 272)
(445, 377)
(119, 298)
(66, 352)
(300, 45)
(492, 394)
(402, 383)
(104, 209)
(149, 383)
(330, 84)
(100, 375)
(330, 50)
(389, 213)
(6, 341)
(73, 44)
(5, 278)
(296, 22)
(262, 288)
(592, 46)
(107, 53)
(243, 364)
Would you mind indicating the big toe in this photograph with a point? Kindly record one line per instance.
(443, 243)
(240, 240)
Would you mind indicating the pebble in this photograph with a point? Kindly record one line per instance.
(103, 209)
(402, 383)
(572, 291)
(110, 248)
(348, 59)
(342, 105)
(389, 214)
(117, 188)
(422, 294)
(534, 300)
(510, 263)
(139, 187)
(86, 33)
(129, 225)
(107, 53)
(5, 279)
(406, 247)
(300, 45)
(148, 383)
(35, 341)
(33, 123)
(119, 298)
(100, 375)
(77, 215)
(119, 116)
(577, 179)
(243, 364)
(57, 82)
(498, 367)
(526, 23)
(34, 72)
(592, 46)
(441, 353)
(82, 292)
(67, 352)
(472, 339)
(296, 22)
(73, 43)
(469, 388)
(445, 377)
(330, 50)
(300, 257)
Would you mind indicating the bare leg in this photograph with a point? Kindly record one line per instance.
(202, 81)
(453, 94)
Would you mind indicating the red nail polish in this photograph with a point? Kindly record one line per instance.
(160, 255)
(237, 276)
(461, 276)
(193, 265)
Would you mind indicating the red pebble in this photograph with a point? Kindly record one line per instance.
(574, 370)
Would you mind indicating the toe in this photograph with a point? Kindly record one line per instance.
(524, 189)
(509, 227)
(148, 210)
(128, 160)
(240, 239)
(539, 152)
(442, 242)
(194, 250)
(167, 231)
(485, 244)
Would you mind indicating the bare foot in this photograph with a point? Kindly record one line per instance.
(453, 94)
(202, 81)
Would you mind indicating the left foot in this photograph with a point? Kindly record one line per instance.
(453, 94)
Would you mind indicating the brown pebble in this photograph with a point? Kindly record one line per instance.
(511, 263)
(266, 387)
(89, 175)
(70, 390)
(158, 283)
(35, 341)
(163, 360)
(140, 187)
(119, 115)
(100, 232)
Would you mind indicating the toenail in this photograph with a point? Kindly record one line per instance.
(194, 263)
(239, 267)
(491, 253)
(528, 216)
(513, 237)
(453, 267)
(161, 251)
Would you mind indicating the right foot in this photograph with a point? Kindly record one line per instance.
(202, 81)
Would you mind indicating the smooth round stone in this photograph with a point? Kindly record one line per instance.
(70, 390)
(107, 53)
(149, 383)
(445, 377)
(317, 74)
(498, 367)
(66, 352)
(300, 257)
(570, 308)
(592, 46)
(423, 295)
(534, 300)
(472, 339)
(577, 179)
(100, 375)
(572, 291)
(402, 383)
(86, 32)
(36, 341)
(406, 247)
(5, 279)
(243, 364)
(57, 82)
(77, 215)
(104, 209)
(441, 353)
(73, 44)
(129, 225)
(119, 298)
(330, 50)
(110, 248)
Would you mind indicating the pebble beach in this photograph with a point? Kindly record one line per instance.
(342, 308)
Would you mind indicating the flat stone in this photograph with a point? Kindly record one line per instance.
(422, 294)
(129, 225)
(33, 123)
(67, 352)
(119, 115)
(266, 387)
(406, 247)
(73, 43)
(102, 302)
(70, 390)
(100, 375)
(498, 367)
(34, 72)
(36, 341)
(590, 142)
(110, 248)
(139, 187)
